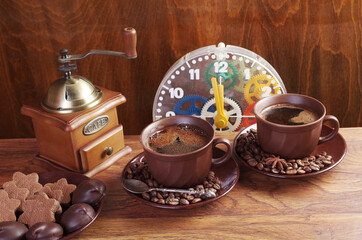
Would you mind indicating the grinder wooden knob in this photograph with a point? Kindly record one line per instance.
(130, 41)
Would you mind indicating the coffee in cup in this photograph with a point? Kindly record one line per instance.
(290, 125)
(178, 139)
(179, 150)
(288, 114)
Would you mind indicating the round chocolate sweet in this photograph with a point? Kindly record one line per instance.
(45, 231)
(90, 191)
(77, 216)
(12, 230)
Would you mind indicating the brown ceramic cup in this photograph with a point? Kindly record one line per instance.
(293, 141)
(187, 169)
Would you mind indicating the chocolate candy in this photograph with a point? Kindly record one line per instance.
(76, 217)
(90, 191)
(45, 231)
(12, 231)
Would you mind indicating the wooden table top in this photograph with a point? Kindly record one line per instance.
(325, 206)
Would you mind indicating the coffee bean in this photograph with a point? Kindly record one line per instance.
(291, 172)
(145, 174)
(174, 202)
(207, 184)
(252, 162)
(314, 168)
(196, 200)
(313, 164)
(183, 201)
(260, 166)
(327, 162)
(150, 182)
(248, 148)
(218, 181)
(211, 190)
(300, 163)
(300, 171)
(146, 196)
(216, 186)
(129, 176)
(200, 188)
(295, 165)
(153, 193)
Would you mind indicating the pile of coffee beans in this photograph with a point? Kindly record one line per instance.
(248, 148)
(139, 171)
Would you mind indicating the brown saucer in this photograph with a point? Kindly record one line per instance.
(73, 178)
(228, 173)
(336, 147)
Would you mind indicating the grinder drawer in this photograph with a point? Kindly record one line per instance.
(101, 148)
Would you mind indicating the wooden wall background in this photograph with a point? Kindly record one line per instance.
(314, 45)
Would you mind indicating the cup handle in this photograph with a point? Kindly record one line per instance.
(226, 156)
(335, 122)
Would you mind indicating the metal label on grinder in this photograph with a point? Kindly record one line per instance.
(95, 125)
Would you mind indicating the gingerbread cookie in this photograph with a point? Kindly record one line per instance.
(8, 207)
(29, 182)
(62, 185)
(41, 209)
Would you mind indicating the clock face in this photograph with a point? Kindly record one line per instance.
(186, 88)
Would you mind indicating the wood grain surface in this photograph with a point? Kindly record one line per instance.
(314, 45)
(325, 206)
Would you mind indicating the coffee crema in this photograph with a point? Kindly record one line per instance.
(178, 139)
(288, 114)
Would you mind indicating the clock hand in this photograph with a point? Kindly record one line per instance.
(220, 120)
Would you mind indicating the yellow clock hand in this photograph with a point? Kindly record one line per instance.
(220, 120)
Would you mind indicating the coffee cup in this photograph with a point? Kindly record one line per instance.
(274, 113)
(182, 169)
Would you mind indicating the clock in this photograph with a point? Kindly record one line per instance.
(186, 88)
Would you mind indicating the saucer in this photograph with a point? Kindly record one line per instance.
(228, 173)
(336, 147)
(72, 178)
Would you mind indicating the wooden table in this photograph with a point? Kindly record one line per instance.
(326, 206)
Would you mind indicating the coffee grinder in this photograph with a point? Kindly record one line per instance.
(76, 123)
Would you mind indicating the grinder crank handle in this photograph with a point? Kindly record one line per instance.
(129, 38)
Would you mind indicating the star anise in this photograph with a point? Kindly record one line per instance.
(276, 162)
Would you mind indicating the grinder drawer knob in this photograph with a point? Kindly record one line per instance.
(108, 150)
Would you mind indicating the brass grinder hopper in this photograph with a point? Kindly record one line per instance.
(76, 123)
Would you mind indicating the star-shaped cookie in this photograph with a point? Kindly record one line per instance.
(40, 196)
(30, 182)
(16, 193)
(8, 207)
(62, 185)
(41, 209)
